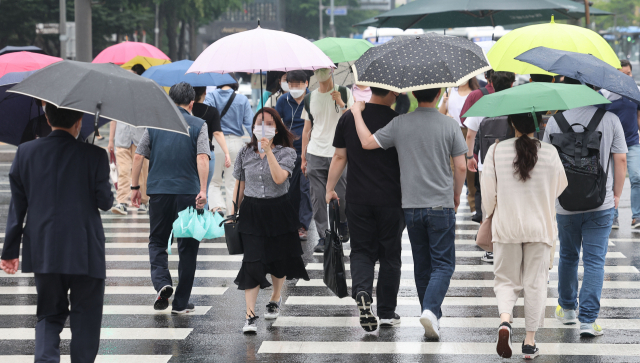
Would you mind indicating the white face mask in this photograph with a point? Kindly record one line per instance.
(323, 74)
(295, 93)
(284, 86)
(269, 131)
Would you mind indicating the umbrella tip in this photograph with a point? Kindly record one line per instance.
(552, 19)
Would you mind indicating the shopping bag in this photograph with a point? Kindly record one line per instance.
(334, 272)
(113, 169)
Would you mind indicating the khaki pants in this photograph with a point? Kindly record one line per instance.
(234, 144)
(518, 267)
(124, 159)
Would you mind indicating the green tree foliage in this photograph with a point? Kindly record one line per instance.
(302, 17)
(626, 13)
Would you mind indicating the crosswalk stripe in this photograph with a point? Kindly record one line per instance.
(147, 225)
(139, 273)
(476, 283)
(105, 333)
(116, 290)
(145, 245)
(106, 310)
(175, 258)
(470, 254)
(445, 348)
(448, 301)
(445, 322)
(625, 240)
(487, 268)
(111, 358)
(130, 216)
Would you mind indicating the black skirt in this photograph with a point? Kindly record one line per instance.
(269, 231)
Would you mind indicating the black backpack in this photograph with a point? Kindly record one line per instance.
(499, 128)
(580, 156)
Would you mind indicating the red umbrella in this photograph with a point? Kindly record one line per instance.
(125, 51)
(24, 62)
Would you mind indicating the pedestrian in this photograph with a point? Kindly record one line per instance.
(235, 113)
(274, 90)
(425, 140)
(138, 69)
(211, 117)
(269, 227)
(258, 83)
(403, 104)
(588, 230)
(376, 219)
(37, 127)
(177, 180)
(520, 183)
(326, 106)
(361, 93)
(61, 183)
(629, 114)
(291, 108)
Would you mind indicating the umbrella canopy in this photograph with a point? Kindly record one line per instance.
(28, 48)
(584, 67)
(535, 96)
(435, 14)
(24, 61)
(169, 74)
(343, 49)
(412, 63)
(14, 77)
(118, 94)
(123, 52)
(557, 36)
(257, 50)
(146, 62)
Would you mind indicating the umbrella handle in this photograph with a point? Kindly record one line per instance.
(95, 123)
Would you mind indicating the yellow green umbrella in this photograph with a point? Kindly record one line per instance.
(146, 62)
(557, 36)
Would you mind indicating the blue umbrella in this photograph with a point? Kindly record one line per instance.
(14, 77)
(585, 68)
(167, 75)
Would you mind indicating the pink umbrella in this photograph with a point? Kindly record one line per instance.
(258, 50)
(24, 61)
(125, 51)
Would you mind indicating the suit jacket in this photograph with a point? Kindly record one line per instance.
(61, 182)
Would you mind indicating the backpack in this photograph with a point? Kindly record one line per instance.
(307, 101)
(580, 156)
(499, 128)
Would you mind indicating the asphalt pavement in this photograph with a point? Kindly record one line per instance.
(314, 325)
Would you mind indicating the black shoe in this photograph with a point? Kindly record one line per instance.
(368, 321)
(343, 229)
(162, 299)
(487, 257)
(503, 344)
(529, 351)
(388, 323)
(477, 217)
(320, 246)
(189, 309)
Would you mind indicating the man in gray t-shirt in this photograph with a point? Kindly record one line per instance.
(588, 230)
(426, 140)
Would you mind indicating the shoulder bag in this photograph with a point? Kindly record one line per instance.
(484, 237)
(231, 232)
(334, 271)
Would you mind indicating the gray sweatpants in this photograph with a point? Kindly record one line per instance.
(318, 173)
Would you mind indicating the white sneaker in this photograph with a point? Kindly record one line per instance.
(251, 325)
(119, 208)
(388, 323)
(430, 324)
(273, 309)
(144, 208)
(590, 330)
(566, 317)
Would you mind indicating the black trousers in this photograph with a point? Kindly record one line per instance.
(376, 234)
(299, 194)
(86, 299)
(163, 211)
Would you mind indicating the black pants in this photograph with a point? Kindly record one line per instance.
(478, 197)
(299, 194)
(163, 211)
(86, 298)
(376, 234)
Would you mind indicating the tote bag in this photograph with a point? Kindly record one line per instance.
(334, 270)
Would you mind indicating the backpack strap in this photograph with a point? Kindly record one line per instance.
(595, 120)
(307, 106)
(228, 105)
(484, 91)
(562, 122)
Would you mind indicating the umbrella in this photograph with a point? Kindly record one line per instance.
(343, 76)
(412, 63)
(24, 61)
(106, 90)
(437, 14)
(557, 36)
(584, 67)
(343, 52)
(146, 62)
(15, 77)
(534, 97)
(125, 51)
(169, 74)
(28, 48)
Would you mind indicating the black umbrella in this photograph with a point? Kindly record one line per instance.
(585, 68)
(412, 63)
(29, 48)
(105, 90)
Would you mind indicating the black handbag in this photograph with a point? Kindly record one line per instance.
(334, 272)
(231, 231)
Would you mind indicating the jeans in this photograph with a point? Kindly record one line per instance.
(589, 232)
(212, 167)
(432, 236)
(633, 168)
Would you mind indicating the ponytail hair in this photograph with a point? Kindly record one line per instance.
(526, 147)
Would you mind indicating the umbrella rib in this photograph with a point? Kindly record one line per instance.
(415, 22)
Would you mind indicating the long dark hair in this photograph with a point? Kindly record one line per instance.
(283, 137)
(526, 147)
(473, 83)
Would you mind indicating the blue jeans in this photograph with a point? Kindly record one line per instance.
(633, 168)
(432, 236)
(212, 166)
(589, 232)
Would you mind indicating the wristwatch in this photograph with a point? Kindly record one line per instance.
(135, 188)
(343, 108)
(468, 157)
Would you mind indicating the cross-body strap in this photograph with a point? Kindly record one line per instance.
(484, 91)
(562, 122)
(228, 105)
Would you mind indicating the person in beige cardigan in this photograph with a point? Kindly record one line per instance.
(520, 183)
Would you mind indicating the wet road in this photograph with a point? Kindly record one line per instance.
(314, 326)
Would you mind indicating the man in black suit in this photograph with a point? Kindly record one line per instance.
(62, 183)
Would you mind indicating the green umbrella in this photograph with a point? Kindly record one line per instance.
(343, 49)
(534, 97)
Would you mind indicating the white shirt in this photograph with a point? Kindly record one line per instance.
(473, 123)
(455, 103)
(325, 120)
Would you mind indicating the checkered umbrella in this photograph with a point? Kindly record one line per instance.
(411, 63)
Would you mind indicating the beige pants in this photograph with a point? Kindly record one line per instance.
(234, 144)
(124, 159)
(518, 267)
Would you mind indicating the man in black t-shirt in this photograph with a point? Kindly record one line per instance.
(375, 215)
